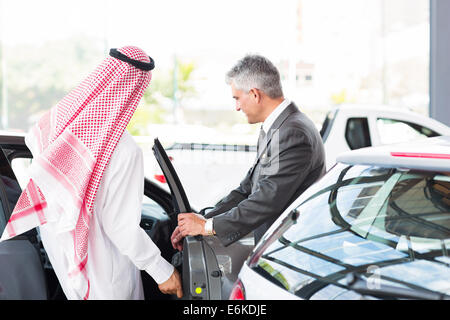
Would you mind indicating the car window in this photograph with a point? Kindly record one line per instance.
(9, 189)
(357, 133)
(3, 217)
(150, 208)
(369, 220)
(394, 131)
(327, 124)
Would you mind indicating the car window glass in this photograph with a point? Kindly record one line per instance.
(422, 273)
(327, 124)
(357, 133)
(312, 223)
(2, 217)
(315, 197)
(408, 204)
(10, 188)
(332, 292)
(150, 208)
(393, 221)
(395, 131)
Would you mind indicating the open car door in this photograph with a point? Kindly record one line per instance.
(200, 271)
(21, 268)
(208, 268)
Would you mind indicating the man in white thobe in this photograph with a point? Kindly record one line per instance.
(118, 247)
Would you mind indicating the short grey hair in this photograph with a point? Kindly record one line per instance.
(255, 71)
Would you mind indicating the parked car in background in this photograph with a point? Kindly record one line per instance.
(208, 171)
(377, 225)
(351, 127)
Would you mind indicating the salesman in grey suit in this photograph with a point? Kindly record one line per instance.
(290, 158)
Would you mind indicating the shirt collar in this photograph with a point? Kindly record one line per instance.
(274, 115)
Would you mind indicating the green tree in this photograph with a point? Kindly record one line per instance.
(163, 86)
(342, 97)
(175, 81)
(38, 76)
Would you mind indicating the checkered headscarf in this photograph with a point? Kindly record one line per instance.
(71, 145)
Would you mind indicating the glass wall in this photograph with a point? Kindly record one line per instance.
(329, 52)
(364, 52)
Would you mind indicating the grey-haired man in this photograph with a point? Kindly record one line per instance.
(290, 158)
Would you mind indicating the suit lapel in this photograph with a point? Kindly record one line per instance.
(275, 126)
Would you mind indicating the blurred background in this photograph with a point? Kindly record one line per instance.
(328, 52)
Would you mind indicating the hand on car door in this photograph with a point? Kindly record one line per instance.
(177, 239)
(172, 285)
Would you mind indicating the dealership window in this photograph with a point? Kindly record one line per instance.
(365, 52)
(371, 51)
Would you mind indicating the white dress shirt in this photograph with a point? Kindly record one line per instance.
(118, 247)
(274, 115)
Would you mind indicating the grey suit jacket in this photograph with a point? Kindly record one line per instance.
(290, 160)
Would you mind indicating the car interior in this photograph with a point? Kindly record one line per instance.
(208, 268)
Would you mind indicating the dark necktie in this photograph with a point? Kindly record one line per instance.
(261, 140)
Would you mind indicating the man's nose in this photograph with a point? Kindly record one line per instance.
(238, 107)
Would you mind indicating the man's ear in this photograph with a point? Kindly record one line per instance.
(255, 94)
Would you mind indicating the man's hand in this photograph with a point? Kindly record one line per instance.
(172, 285)
(191, 224)
(177, 239)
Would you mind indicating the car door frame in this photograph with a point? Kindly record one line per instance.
(204, 276)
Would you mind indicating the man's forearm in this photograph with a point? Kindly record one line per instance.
(227, 203)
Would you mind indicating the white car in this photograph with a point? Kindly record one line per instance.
(377, 225)
(208, 171)
(350, 127)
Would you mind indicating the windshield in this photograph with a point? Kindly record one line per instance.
(385, 224)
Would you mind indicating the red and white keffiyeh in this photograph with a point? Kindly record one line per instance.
(71, 145)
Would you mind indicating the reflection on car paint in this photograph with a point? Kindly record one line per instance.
(395, 222)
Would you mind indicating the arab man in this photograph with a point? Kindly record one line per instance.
(86, 187)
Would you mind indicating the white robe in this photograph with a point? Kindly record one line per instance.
(118, 247)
